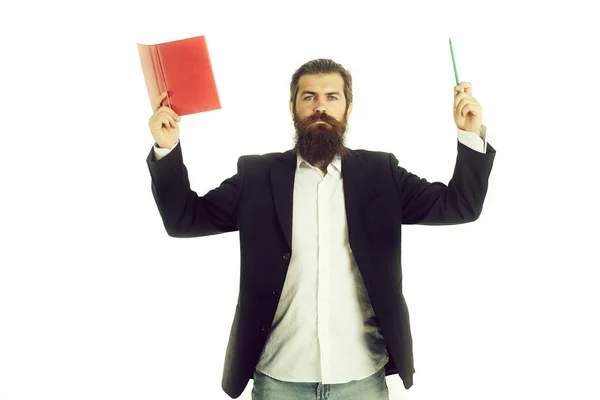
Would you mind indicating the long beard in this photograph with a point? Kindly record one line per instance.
(319, 143)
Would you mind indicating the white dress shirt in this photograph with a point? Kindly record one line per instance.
(324, 329)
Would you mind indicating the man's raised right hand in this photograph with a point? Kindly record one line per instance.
(163, 124)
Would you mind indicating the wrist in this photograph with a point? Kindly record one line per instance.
(168, 146)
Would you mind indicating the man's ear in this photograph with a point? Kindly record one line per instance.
(349, 111)
(292, 109)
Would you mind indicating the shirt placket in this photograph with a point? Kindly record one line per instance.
(323, 278)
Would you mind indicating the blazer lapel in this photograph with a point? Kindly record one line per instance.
(354, 180)
(283, 174)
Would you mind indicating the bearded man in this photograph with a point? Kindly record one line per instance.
(321, 311)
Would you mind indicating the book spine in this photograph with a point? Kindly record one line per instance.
(163, 78)
(160, 74)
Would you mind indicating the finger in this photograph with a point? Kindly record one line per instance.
(462, 93)
(166, 120)
(466, 87)
(459, 97)
(157, 100)
(172, 122)
(170, 112)
(460, 109)
(469, 108)
(465, 97)
(461, 105)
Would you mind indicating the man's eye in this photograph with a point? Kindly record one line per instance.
(307, 97)
(333, 97)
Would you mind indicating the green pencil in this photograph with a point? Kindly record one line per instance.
(453, 62)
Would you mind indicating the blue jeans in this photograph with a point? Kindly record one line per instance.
(373, 387)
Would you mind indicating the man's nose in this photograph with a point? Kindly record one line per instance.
(320, 108)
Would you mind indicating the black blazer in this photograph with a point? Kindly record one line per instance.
(380, 196)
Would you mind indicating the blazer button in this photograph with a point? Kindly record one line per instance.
(265, 328)
(286, 256)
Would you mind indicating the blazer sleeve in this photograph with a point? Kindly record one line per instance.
(436, 203)
(183, 212)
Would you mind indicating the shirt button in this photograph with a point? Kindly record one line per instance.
(286, 256)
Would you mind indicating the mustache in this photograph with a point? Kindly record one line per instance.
(321, 117)
(305, 125)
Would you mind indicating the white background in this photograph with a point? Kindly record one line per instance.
(98, 302)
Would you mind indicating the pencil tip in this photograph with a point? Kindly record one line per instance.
(449, 40)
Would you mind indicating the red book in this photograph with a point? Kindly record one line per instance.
(181, 68)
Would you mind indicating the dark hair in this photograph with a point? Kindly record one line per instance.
(321, 66)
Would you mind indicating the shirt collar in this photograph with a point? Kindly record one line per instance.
(336, 162)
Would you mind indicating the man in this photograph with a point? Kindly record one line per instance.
(320, 311)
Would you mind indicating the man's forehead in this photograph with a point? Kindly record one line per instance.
(333, 81)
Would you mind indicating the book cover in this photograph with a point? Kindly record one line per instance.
(182, 68)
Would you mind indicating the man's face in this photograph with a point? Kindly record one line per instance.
(320, 117)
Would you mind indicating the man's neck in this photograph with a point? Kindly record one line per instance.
(322, 167)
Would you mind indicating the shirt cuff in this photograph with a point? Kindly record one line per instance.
(473, 140)
(160, 153)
